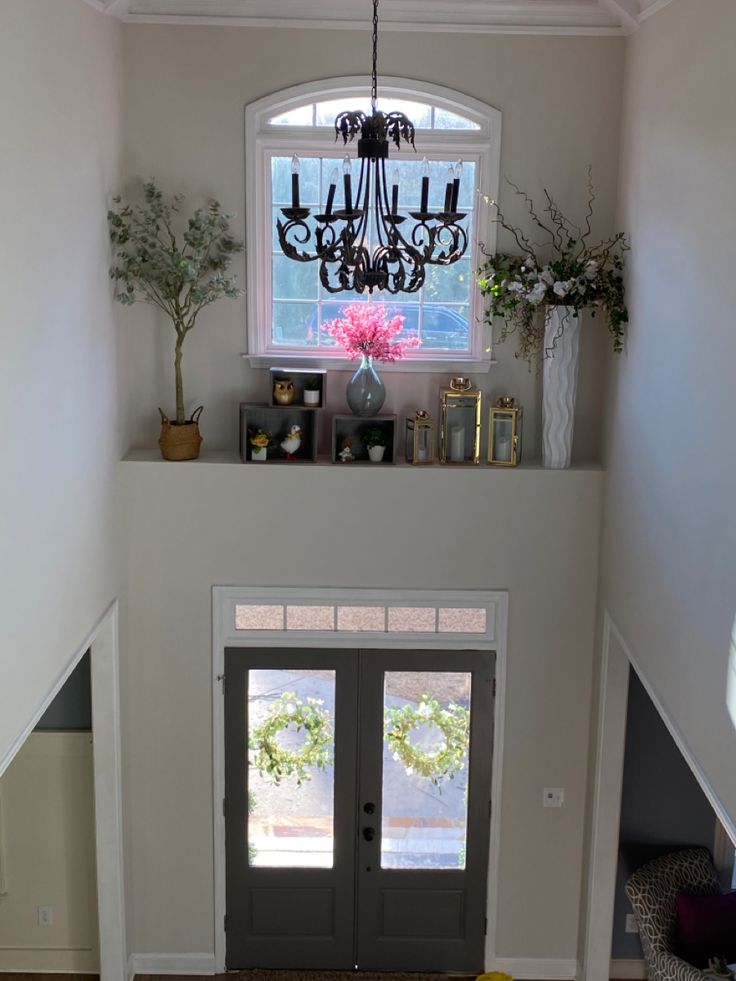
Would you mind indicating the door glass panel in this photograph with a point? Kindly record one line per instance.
(291, 751)
(426, 740)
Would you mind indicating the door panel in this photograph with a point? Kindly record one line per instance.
(422, 907)
(376, 857)
(290, 847)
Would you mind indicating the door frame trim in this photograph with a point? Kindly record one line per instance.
(224, 634)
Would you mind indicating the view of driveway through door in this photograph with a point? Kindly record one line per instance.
(357, 808)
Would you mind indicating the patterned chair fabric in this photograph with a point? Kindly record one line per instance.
(652, 891)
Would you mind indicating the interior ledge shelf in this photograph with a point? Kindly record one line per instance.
(232, 458)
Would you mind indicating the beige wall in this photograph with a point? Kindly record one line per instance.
(60, 140)
(48, 856)
(187, 528)
(186, 89)
(670, 533)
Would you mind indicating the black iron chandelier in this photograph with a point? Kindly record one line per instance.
(339, 239)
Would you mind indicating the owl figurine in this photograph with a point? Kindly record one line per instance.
(283, 391)
(291, 443)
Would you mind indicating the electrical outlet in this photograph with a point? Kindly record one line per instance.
(45, 916)
(553, 797)
(631, 926)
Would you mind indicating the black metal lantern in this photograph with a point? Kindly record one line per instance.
(396, 262)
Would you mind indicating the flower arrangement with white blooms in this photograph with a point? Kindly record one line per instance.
(564, 270)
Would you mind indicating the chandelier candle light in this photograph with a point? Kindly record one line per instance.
(396, 262)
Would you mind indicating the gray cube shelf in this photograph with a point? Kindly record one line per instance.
(349, 426)
(277, 420)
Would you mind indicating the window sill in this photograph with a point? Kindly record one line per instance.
(469, 365)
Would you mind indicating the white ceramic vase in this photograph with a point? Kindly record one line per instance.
(259, 453)
(559, 385)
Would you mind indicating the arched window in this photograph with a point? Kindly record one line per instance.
(286, 302)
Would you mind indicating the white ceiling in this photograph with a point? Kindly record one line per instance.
(491, 16)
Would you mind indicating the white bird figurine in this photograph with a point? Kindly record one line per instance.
(291, 443)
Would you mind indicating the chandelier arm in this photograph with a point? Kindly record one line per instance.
(452, 240)
(379, 198)
(364, 177)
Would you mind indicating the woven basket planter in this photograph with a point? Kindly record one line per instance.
(180, 442)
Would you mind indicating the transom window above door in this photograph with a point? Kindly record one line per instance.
(287, 304)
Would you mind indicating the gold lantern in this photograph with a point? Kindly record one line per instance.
(420, 438)
(460, 422)
(504, 433)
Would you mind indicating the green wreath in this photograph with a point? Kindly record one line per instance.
(454, 724)
(275, 762)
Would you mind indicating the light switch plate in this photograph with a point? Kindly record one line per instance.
(553, 796)
(631, 926)
(45, 916)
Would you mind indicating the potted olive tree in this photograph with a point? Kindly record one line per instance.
(181, 270)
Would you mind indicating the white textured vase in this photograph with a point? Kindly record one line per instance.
(559, 385)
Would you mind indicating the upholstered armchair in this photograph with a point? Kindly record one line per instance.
(652, 891)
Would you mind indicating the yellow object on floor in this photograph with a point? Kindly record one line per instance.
(494, 976)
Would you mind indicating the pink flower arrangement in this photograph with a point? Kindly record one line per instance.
(364, 330)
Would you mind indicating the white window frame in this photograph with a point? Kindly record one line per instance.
(262, 139)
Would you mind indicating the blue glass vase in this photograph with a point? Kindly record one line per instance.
(365, 392)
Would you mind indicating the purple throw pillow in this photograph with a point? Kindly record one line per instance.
(706, 927)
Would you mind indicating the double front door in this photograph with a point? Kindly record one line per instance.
(357, 808)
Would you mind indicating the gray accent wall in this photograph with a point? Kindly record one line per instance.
(71, 710)
(662, 805)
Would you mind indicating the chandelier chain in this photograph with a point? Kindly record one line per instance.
(374, 75)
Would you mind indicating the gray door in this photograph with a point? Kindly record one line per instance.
(357, 815)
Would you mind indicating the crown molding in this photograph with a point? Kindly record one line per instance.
(555, 17)
(626, 13)
(650, 7)
(581, 18)
(118, 8)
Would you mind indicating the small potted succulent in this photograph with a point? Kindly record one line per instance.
(180, 270)
(259, 441)
(375, 441)
(312, 390)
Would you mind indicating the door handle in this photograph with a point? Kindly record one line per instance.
(369, 833)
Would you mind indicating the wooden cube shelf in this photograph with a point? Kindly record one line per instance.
(300, 378)
(351, 427)
(277, 420)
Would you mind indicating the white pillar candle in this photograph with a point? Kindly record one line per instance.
(502, 449)
(457, 444)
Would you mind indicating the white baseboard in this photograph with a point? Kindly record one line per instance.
(170, 964)
(630, 970)
(537, 968)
